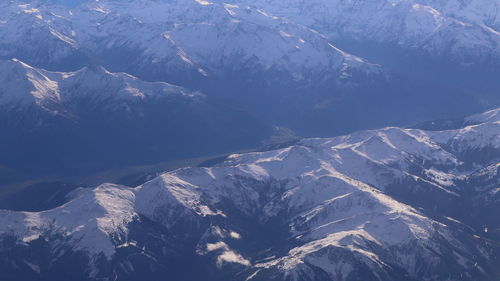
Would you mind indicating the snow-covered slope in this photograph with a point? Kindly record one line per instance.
(233, 37)
(329, 205)
(88, 220)
(47, 116)
(38, 34)
(156, 30)
(270, 57)
(490, 116)
(475, 11)
(24, 86)
(465, 31)
(161, 39)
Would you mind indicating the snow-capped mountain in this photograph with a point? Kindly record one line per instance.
(465, 31)
(233, 38)
(82, 113)
(24, 85)
(90, 85)
(159, 39)
(34, 35)
(343, 208)
(157, 36)
(266, 57)
(476, 11)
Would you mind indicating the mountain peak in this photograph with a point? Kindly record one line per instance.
(331, 197)
(22, 85)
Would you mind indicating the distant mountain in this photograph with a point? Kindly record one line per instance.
(93, 72)
(463, 31)
(476, 11)
(92, 118)
(456, 123)
(157, 40)
(449, 42)
(387, 204)
(276, 66)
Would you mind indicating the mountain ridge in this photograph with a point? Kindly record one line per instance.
(341, 204)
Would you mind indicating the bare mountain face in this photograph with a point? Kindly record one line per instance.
(387, 204)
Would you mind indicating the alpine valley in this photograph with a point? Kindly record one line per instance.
(249, 140)
(317, 68)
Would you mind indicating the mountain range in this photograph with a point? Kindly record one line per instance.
(94, 114)
(385, 204)
(318, 68)
(256, 140)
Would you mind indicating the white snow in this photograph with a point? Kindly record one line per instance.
(330, 189)
(23, 85)
(486, 117)
(88, 220)
(453, 28)
(163, 32)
